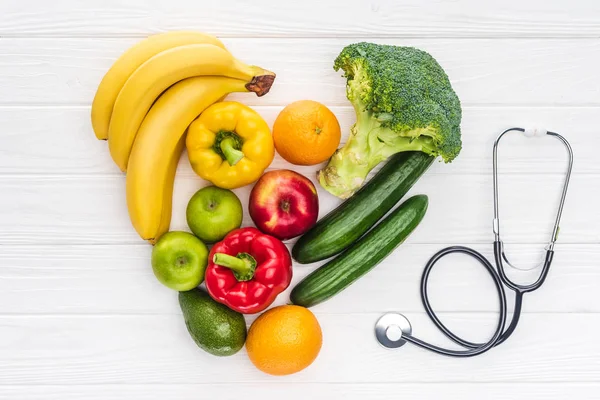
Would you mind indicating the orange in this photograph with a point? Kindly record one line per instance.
(284, 340)
(306, 133)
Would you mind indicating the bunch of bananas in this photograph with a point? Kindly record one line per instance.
(145, 103)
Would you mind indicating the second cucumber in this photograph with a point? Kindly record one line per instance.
(362, 256)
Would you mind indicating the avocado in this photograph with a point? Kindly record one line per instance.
(214, 327)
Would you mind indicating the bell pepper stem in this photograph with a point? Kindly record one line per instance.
(243, 265)
(232, 155)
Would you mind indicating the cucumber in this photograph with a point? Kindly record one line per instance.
(344, 225)
(361, 257)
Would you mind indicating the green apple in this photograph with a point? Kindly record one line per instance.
(179, 260)
(214, 212)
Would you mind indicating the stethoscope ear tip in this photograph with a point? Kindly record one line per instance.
(391, 328)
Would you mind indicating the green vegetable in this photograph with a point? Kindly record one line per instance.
(403, 102)
(348, 222)
(361, 257)
(214, 327)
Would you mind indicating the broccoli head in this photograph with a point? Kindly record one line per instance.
(403, 102)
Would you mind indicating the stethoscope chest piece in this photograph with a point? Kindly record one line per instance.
(385, 326)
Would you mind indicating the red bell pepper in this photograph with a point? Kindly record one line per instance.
(247, 270)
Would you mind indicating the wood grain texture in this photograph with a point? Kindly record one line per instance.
(60, 141)
(324, 391)
(311, 18)
(81, 314)
(80, 350)
(119, 280)
(482, 71)
(84, 210)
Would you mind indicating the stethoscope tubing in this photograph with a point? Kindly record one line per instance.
(500, 334)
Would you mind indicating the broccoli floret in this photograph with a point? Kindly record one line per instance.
(403, 102)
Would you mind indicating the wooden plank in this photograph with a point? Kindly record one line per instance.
(59, 140)
(311, 18)
(482, 71)
(81, 350)
(119, 280)
(326, 391)
(84, 210)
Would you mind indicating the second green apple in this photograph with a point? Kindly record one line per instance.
(179, 260)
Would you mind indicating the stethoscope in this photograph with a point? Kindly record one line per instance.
(396, 320)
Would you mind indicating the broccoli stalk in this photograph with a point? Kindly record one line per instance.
(403, 102)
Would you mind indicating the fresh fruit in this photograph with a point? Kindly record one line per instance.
(284, 204)
(306, 133)
(160, 72)
(128, 62)
(339, 273)
(150, 174)
(215, 328)
(354, 217)
(230, 145)
(167, 198)
(214, 212)
(284, 340)
(179, 260)
(247, 270)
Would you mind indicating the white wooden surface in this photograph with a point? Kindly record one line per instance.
(81, 315)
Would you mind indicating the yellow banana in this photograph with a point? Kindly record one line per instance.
(151, 168)
(167, 198)
(128, 62)
(162, 71)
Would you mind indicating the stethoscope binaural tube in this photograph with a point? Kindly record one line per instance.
(498, 275)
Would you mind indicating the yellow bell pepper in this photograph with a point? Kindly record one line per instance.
(230, 145)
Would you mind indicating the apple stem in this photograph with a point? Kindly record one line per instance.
(232, 155)
(243, 265)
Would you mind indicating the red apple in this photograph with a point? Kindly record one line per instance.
(284, 204)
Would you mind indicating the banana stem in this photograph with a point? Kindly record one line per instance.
(232, 155)
(261, 84)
